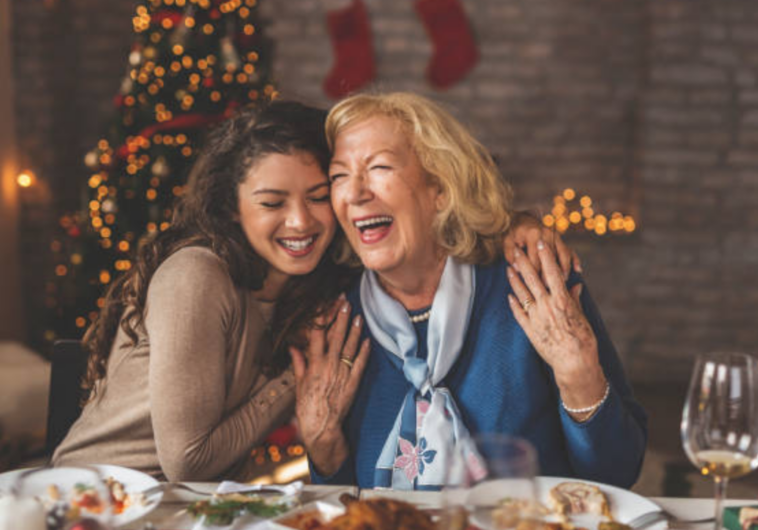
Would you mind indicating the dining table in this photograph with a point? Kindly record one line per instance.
(167, 514)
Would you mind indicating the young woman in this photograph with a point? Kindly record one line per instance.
(187, 368)
(188, 361)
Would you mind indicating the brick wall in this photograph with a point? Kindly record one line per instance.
(649, 107)
(69, 58)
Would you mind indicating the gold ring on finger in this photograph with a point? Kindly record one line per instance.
(347, 361)
(526, 304)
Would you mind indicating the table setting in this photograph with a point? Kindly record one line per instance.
(504, 491)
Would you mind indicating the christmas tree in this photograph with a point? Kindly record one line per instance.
(193, 62)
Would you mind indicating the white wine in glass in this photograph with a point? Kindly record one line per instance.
(719, 425)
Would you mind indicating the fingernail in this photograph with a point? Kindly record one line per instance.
(579, 268)
(540, 245)
(357, 321)
(342, 296)
(516, 252)
(345, 307)
(510, 272)
(511, 299)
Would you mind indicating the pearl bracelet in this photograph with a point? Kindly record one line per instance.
(591, 408)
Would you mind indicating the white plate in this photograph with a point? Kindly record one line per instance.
(324, 509)
(624, 504)
(133, 481)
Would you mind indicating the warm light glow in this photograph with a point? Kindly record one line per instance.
(548, 220)
(585, 201)
(151, 194)
(290, 471)
(105, 277)
(81, 322)
(25, 179)
(569, 194)
(95, 180)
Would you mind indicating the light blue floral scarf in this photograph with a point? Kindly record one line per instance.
(428, 424)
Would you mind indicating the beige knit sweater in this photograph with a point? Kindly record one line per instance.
(189, 401)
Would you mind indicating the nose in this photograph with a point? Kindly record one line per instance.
(358, 190)
(299, 217)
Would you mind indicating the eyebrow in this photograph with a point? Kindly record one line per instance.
(285, 193)
(368, 158)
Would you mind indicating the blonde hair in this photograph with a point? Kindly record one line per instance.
(477, 210)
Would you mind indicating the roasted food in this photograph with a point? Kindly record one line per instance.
(379, 514)
(572, 498)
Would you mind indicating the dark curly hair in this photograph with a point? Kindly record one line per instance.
(205, 216)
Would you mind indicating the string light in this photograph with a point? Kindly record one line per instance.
(564, 216)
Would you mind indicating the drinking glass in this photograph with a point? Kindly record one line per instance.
(720, 419)
(494, 491)
(71, 498)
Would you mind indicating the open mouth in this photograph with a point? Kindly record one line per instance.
(298, 246)
(373, 229)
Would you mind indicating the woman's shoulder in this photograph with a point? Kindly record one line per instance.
(193, 266)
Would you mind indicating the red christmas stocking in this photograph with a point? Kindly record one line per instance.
(354, 53)
(455, 52)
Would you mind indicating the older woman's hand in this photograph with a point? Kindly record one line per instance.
(526, 231)
(327, 377)
(553, 319)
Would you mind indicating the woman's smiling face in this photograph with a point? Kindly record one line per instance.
(382, 196)
(285, 213)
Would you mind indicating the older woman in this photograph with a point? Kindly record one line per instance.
(461, 344)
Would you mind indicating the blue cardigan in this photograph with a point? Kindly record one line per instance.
(502, 385)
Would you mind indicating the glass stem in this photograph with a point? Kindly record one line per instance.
(718, 497)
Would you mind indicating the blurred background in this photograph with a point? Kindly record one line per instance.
(629, 126)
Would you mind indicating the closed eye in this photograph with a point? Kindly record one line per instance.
(272, 205)
(322, 198)
(335, 176)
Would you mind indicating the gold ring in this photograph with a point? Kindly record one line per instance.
(347, 361)
(527, 304)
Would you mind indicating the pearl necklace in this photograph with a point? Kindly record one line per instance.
(422, 317)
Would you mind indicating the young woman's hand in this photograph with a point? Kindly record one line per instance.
(526, 230)
(553, 319)
(327, 376)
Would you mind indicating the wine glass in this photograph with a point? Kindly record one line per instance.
(720, 419)
(492, 487)
(71, 498)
